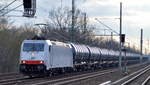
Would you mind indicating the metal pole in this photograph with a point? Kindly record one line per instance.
(85, 22)
(125, 65)
(120, 45)
(111, 39)
(111, 36)
(141, 43)
(61, 4)
(73, 22)
(148, 44)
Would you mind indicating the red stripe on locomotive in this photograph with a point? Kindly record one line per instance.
(32, 62)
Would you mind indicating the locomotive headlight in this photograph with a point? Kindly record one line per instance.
(41, 62)
(23, 62)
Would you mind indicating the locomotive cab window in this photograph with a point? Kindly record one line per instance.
(27, 47)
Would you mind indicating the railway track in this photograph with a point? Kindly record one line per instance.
(24, 80)
(48, 80)
(68, 80)
(11, 81)
(10, 76)
(59, 80)
(74, 78)
(19, 81)
(5, 74)
(147, 81)
(139, 77)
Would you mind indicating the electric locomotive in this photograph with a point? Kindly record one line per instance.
(40, 56)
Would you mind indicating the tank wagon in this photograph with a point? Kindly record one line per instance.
(40, 57)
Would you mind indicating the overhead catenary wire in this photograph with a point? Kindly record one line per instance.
(8, 5)
(11, 10)
(107, 26)
(14, 16)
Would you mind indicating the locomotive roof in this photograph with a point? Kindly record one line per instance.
(103, 50)
(59, 43)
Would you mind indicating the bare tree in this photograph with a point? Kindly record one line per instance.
(60, 25)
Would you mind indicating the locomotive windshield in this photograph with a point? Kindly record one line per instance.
(33, 47)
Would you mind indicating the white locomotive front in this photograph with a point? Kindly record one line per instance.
(40, 56)
(32, 56)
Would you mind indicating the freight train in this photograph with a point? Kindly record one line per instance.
(40, 57)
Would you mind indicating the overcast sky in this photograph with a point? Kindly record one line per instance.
(136, 14)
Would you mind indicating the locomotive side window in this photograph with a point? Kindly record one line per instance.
(27, 4)
(49, 48)
(33, 47)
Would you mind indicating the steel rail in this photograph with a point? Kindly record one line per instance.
(62, 80)
(126, 77)
(8, 81)
(76, 78)
(146, 81)
(5, 74)
(135, 77)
